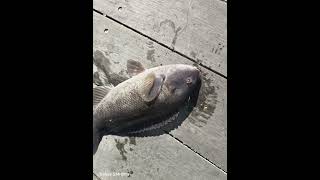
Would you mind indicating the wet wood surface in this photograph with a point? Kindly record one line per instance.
(201, 137)
(195, 28)
(157, 157)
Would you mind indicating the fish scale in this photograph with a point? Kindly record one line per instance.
(144, 101)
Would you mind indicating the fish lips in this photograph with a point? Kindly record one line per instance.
(194, 78)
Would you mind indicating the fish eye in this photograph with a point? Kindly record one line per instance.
(189, 80)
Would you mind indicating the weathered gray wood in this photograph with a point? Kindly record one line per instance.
(205, 129)
(95, 178)
(197, 29)
(158, 157)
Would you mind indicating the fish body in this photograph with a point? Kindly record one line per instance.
(144, 99)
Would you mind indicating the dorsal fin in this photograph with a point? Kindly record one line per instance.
(99, 93)
(134, 67)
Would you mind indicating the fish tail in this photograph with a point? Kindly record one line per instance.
(98, 132)
(97, 136)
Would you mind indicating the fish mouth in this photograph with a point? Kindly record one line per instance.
(195, 73)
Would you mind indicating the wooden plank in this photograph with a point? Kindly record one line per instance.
(157, 157)
(95, 178)
(197, 29)
(205, 129)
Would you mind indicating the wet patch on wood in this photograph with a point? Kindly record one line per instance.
(120, 147)
(105, 76)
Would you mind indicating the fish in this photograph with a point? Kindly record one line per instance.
(143, 101)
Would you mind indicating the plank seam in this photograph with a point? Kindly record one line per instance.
(161, 44)
(99, 12)
(96, 176)
(183, 55)
(195, 152)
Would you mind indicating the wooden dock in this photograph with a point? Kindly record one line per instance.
(158, 32)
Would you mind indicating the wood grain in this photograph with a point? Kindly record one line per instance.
(204, 131)
(160, 157)
(196, 28)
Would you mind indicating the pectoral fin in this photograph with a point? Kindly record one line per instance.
(151, 86)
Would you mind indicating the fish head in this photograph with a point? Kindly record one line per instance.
(179, 82)
(166, 85)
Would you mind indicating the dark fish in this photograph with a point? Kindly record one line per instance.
(143, 100)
